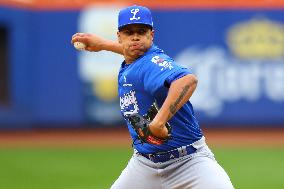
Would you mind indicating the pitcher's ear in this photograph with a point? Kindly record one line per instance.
(153, 33)
(118, 37)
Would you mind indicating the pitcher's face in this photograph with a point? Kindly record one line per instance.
(135, 39)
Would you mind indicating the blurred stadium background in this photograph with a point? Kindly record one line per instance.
(60, 125)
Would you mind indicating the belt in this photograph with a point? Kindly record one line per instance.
(172, 154)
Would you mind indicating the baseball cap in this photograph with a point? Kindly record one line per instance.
(134, 15)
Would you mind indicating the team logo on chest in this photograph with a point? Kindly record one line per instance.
(128, 103)
(134, 12)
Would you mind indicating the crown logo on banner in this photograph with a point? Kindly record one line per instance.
(258, 38)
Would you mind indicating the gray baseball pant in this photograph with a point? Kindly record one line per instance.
(195, 171)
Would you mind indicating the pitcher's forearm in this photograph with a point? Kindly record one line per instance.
(113, 46)
(179, 93)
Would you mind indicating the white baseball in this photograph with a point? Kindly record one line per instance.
(79, 45)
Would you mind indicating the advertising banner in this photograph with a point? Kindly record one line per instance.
(236, 49)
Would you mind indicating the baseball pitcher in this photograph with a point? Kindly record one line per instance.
(169, 146)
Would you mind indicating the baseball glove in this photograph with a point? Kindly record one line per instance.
(141, 126)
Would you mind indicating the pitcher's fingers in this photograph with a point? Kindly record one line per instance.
(79, 39)
(78, 34)
(76, 37)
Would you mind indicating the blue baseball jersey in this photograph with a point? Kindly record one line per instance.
(147, 80)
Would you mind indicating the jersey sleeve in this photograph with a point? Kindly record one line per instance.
(160, 71)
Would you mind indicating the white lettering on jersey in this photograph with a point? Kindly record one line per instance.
(134, 12)
(126, 84)
(162, 63)
(127, 101)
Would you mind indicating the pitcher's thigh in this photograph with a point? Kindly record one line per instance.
(200, 173)
(212, 176)
(137, 175)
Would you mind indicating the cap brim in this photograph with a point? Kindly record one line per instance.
(120, 27)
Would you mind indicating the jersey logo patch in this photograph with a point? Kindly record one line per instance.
(164, 64)
(134, 12)
(128, 103)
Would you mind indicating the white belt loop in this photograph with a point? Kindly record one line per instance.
(182, 151)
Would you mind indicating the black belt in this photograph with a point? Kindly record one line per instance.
(172, 154)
